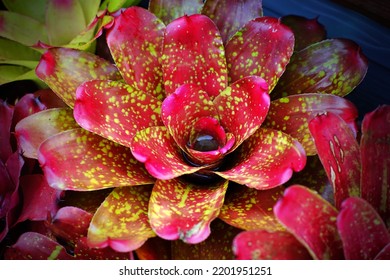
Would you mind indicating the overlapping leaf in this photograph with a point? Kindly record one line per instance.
(375, 153)
(64, 69)
(312, 220)
(362, 230)
(115, 110)
(251, 209)
(135, 41)
(334, 66)
(33, 130)
(6, 114)
(265, 245)
(243, 107)
(39, 200)
(263, 47)
(306, 31)
(163, 159)
(218, 246)
(231, 15)
(180, 210)
(79, 160)
(35, 246)
(267, 159)
(339, 153)
(193, 53)
(121, 222)
(167, 11)
(292, 115)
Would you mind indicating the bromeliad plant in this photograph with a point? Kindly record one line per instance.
(206, 118)
(356, 227)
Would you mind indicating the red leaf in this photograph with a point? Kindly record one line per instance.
(64, 69)
(339, 153)
(70, 224)
(26, 106)
(79, 160)
(375, 153)
(167, 11)
(384, 254)
(33, 130)
(312, 220)
(292, 115)
(121, 222)
(262, 47)
(163, 159)
(362, 231)
(179, 210)
(115, 110)
(218, 246)
(243, 107)
(6, 114)
(39, 200)
(135, 41)
(251, 209)
(184, 107)
(35, 246)
(231, 15)
(193, 53)
(306, 31)
(334, 66)
(264, 245)
(266, 160)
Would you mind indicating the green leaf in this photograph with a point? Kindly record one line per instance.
(10, 73)
(35, 10)
(64, 21)
(22, 29)
(11, 50)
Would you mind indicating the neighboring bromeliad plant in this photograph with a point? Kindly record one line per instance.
(206, 118)
(357, 226)
(27, 29)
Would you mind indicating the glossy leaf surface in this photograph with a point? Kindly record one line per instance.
(179, 210)
(79, 160)
(312, 220)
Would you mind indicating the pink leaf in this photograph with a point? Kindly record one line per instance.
(375, 153)
(35, 129)
(193, 53)
(262, 47)
(179, 210)
(362, 231)
(339, 153)
(243, 107)
(115, 110)
(312, 220)
(121, 222)
(264, 245)
(266, 160)
(163, 159)
(79, 160)
(292, 115)
(64, 69)
(135, 41)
